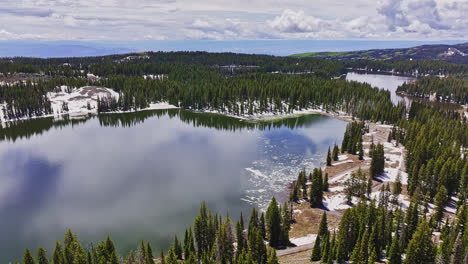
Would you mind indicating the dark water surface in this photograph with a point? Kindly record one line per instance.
(382, 81)
(143, 175)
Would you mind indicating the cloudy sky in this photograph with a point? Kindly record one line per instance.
(233, 19)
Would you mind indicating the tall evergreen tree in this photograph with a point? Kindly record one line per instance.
(177, 248)
(273, 222)
(272, 258)
(323, 226)
(457, 255)
(316, 189)
(325, 185)
(57, 255)
(316, 250)
(285, 224)
(420, 248)
(329, 158)
(28, 257)
(378, 161)
(395, 253)
(42, 256)
(335, 152)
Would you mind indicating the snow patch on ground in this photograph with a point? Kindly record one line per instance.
(79, 99)
(2, 118)
(336, 189)
(342, 157)
(337, 202)
(300, 241)
(342, 162)
(82, 101)
(340, 178)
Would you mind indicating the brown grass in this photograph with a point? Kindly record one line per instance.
(308, 221)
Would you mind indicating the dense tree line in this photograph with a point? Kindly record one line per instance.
(313, 192)
(352, 139)
(373, 231)
(436, 143)
(199, 88)
(448, 89)
(24, 100)
(254, 93)
(10, 67)
(410, 67)
(212, 239)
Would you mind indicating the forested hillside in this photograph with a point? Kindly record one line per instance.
(451, 53)
(436, 143)
(449, 89)
(243, 85)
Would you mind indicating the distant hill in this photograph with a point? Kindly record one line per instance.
(450, 53)
(57, 49)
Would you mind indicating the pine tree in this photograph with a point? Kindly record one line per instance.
(441, 199)
(457, 255)
(316, 251)
(316, 189)
(361, 150)
(41, 256)
(257, 246)
(57, 255)
(323, 227)
(162, 258)
(177, 248)
(272, 258)
(397, 185)
(191, 259)
(373, 257)
(142, 252)
(420, 248)
(130, 259)
(171, 257)
(262, 227)
(111, 254)
(189, 245)
(294, 196)
(364, 247)
(395, 253)
(240, 236)
(325, 185)
(325, 252)
(286, 224)
(80, 256)
(28, 258)
(335, 152)
(378, 161)
(329, 158)
(273, 223)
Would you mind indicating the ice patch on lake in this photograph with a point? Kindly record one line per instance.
(275, 170)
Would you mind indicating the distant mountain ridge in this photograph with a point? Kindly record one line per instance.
(450, 53)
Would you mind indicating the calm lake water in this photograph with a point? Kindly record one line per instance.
(382, 81)
(143, 175)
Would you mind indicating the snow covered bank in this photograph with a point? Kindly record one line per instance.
(81, 101)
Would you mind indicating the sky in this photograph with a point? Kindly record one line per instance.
(50, 20)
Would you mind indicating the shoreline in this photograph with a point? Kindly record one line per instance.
(266, 116)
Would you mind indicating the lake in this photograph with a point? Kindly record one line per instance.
(143, 175)
(382, 81)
